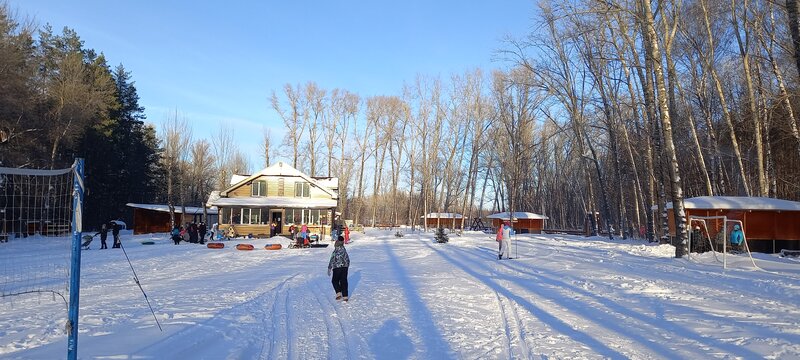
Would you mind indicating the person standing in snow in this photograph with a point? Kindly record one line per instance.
(176, 234)
(193, 233)
(115, 228)
(214, 230)
(737, 238)
(505, 243)
(304, 234)
(338, 266)
(346, 234)
(103, 236)
(203, 230)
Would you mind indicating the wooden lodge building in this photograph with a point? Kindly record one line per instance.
(769, 224)
(280, 194)
(523, 223)
(443, 220)
(154, 218)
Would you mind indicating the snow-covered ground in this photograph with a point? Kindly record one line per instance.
(563, 297)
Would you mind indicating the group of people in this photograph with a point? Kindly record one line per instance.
(301, 236)
(115, 227)
(192, 232)
(700, 243)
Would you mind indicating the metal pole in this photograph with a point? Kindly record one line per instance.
(724, 244)
(75, 266)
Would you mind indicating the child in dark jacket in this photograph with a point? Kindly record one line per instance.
(338, 265)
(103, 236)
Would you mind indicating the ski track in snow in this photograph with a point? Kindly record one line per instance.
(561, 297)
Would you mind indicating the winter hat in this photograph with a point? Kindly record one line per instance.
(736, 227)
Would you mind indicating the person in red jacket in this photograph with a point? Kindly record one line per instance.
(346, 234)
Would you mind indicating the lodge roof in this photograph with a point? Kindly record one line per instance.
(517, 215)
(283, 169)
(738, 203)
(178, 210)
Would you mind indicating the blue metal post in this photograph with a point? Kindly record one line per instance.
(75, 265)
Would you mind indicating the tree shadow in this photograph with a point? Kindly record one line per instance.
(352, 282)
(537, 282)
(390, 342)
(421, 317)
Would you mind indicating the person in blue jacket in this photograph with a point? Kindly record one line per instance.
(737, 237)
(505, 242)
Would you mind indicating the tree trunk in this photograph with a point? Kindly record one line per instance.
(792, 7)
(654, 55)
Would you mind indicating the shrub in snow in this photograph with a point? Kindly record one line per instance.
(440, 236)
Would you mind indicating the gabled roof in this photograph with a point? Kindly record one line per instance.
(517, 215)
(165, 208)
(281, 169)
(738, 203)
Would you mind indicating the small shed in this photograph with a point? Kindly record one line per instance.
(444, 220)
(154, 218)
(769, 224)
(523, 222)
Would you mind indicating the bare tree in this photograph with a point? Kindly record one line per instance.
(654, 55)
(292, 118)
(175, 137)
(266, 146)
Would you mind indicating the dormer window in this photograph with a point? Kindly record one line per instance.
(259, 188)
(302, 189)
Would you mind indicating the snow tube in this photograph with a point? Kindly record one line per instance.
(244, 247)
(148, 243)
(273, 246)
(215, 245)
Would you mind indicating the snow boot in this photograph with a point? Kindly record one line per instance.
(344, 298)
(338, 296)
(499, 256)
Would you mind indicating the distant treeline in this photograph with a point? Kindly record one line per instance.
(60, 100)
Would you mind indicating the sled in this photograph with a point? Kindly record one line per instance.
(87, 240)
(148, 242)
(215, 245)
(273, 246)
(244, 247)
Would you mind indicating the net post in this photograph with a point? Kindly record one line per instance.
(725, 243)
(75, 262)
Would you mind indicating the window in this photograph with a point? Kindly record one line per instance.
(305, 216)
(251, 216)
(259, 188)
(280, 187)
(236, 216)
(302, 189)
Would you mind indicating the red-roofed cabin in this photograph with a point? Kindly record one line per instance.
(523, 223)
(769, 224)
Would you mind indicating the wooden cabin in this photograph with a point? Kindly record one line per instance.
(444, 220)
(523, 222)
(769, 224)
(154, 218)
(280, 194)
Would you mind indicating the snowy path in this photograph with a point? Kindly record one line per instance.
(563, 297)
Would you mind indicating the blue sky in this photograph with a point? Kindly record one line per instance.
(216, 62)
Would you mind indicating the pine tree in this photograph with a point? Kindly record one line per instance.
(440, 236)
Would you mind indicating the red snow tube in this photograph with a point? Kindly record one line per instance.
(215, 245)
(244, 247)
(273, 246)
